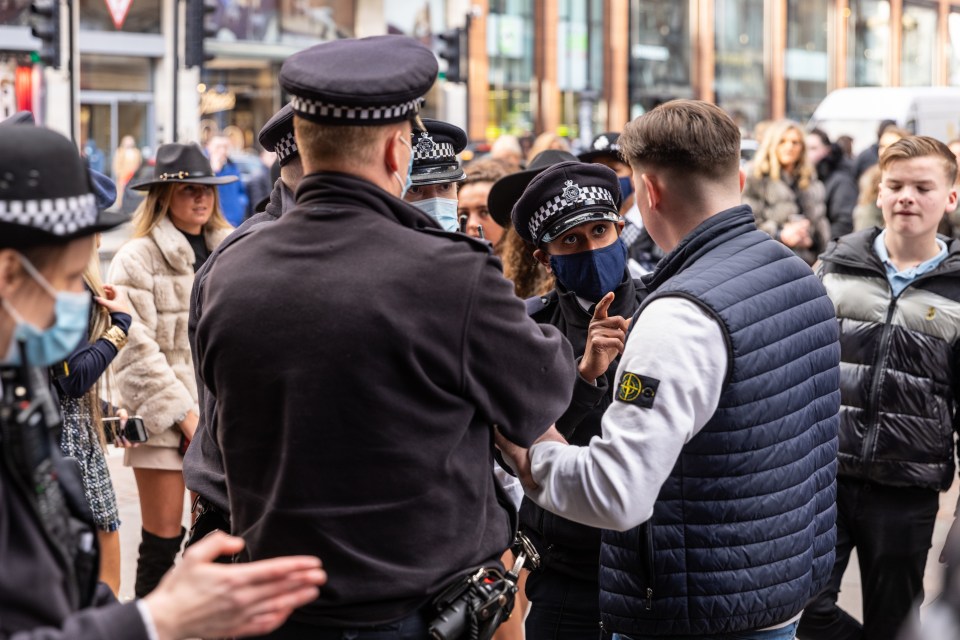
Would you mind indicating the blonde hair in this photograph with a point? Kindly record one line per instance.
(156, 206)
(545, 141)
(99, 322)
(766, 162)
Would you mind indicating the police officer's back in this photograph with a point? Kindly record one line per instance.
(360, 425)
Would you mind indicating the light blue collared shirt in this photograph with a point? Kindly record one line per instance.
(900, 280)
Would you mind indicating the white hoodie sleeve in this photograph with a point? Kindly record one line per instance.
(677, 353)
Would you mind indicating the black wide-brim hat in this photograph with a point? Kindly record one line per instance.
(507, 190)
(435, 149)
(46, 195)
(605, 145)
(182, 163)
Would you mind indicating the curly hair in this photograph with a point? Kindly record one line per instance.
(520, 267)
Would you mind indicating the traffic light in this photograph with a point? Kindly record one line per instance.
(45, 26)
(198, 30)
(450, 48)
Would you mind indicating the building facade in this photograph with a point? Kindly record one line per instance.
(573, 67)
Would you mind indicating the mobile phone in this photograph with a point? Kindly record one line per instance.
(133, 430)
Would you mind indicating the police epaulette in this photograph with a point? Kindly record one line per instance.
(539, 303)
(475, 243)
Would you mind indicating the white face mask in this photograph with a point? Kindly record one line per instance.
(443, 210)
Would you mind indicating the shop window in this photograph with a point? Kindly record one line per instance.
(114, 73)
(868, 48)
(740, 84)
(917, 48)
(418, 18)
(143, 16)
(510, 54)
(660, 53)
(14, 13)
(807, 59)
(953, 53)
(580, 67)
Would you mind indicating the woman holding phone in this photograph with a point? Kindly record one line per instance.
(176, 227)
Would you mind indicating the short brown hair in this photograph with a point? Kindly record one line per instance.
(920, 147)
(690, 135)
(335, 143)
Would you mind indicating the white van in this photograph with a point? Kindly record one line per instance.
(857, 112)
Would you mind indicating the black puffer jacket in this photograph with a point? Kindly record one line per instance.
(899, 366)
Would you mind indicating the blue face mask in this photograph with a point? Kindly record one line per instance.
(47, 348)
(592, 274)
(405, 185)
(443, 210)
(626, 188)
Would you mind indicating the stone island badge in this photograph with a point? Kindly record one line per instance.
(637, 389)
(425, 143)
(571, 192)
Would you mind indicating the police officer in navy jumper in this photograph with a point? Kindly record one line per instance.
(570, 213)
(436, 171)
(361, 357)
(715, 475)
(202, 463)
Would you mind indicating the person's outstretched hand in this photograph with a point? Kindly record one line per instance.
(200, 598)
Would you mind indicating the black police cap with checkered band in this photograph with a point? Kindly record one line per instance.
(564, 196)
(277, 136)
(355, 82)
(45, 191)
(435, 153)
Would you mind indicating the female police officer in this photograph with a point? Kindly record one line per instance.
(48, 585)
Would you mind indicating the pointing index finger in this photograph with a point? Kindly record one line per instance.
(600, 311)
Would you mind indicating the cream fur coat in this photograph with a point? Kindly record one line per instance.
(154, 372)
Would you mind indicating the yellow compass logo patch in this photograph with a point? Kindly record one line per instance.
(637, 389)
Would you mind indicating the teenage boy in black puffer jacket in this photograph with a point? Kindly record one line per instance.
(897, 295)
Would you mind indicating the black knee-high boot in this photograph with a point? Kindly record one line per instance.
(156, 557)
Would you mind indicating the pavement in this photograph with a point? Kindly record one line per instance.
(129, 506)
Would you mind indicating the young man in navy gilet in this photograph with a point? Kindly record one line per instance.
(715, 475)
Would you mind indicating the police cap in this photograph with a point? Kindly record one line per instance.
(369, 81)
(435, 152)
(564, 196)
(605, 145)
(277, 136)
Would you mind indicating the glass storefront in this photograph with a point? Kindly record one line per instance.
(953, 47)
(807, 58)
(660, 53)
(14, 12)
(283, 21)
(919, 23)
(580, 68)
(741, 85)
(510, 54)
(868, 43)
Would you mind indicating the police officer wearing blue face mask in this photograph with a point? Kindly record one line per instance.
(569, 213)
(436, 171)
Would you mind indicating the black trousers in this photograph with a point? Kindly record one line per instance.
(891, 529)
(563, 607)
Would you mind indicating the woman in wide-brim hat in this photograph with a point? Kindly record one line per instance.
(176, 227)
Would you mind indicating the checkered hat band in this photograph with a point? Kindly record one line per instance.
(559, 204)
(59, 216)
(286, 146)
(357, 114)
(438, 151)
